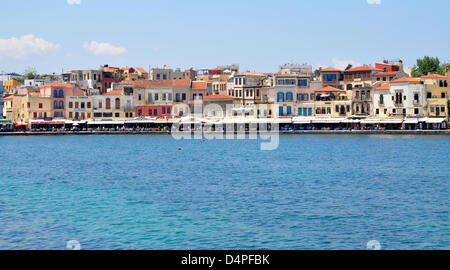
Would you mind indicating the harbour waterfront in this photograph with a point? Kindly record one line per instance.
(141, 192)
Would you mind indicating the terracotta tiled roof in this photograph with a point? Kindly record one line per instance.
(407, 79)
(157, 83)
(220, 97)
(434, 76)
(141, 70)
(329, 89)
(292, 75)
(114, 93)
(331, 69)
(363, 68)
(249, 74)
(388, 73)
(385, 86)
(62, 85)
(199, 85)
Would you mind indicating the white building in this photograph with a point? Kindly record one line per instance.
(405, 98)
(1, 100)
(36, 82)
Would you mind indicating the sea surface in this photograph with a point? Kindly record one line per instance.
(141, 192)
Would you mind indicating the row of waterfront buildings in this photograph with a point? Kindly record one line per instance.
(382, 95)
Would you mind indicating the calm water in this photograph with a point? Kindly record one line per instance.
(140, 192)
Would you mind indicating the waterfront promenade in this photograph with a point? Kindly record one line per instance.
(296, 132)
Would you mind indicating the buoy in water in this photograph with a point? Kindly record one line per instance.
(179, 148)
(204, 140)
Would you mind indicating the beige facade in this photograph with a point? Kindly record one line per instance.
(30, 107)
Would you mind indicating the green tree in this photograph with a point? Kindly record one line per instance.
(427, 65)
(30, 74)
(119, 75)
(317, 72)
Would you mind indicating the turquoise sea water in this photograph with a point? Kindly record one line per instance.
(140, 192)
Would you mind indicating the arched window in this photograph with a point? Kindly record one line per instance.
(55, 104)
(445, 84)
(55, 93)
(61, 104)
(381, 99)
(61, 93)
(117, 103)
(108, 103)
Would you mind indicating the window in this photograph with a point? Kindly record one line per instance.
(289, 110)
(163, 110)
(168, 110)
(183, 96)
(289, 96)
(302, 82)
(40, 105)
(164, 77)
(329, 77)
(140, 112)
(55, 93)
(77, 105)
(377, 111)
(156, 97)
(443, 95)
(139, 97)
(381, 99)
(70, 114)
(428, 94)
(88, 105)
(108, 103)
(416, 110)
(155, 112)
(35, 115)
(416, 97)
(117, 103)
(280, 97)
(100, 105)
(117, 115)
(55, 104)
(83, 105)
(61, 93)
(71, 104)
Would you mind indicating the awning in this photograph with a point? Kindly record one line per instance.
(38, 122)
(302, 120)
(351, 121)
(411, 121)
(433, 120)
(106, 122)
(391, 121)
(330, 120)
(371, 121)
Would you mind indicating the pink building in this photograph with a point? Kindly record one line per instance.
(58, 93)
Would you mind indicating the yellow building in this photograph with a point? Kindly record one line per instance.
(437, 95)
(332, 102)
(10, 86)
(30, 107)
(79, 108)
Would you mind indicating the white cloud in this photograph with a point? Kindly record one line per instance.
(342, 64)
(103, 48)
(374, 2)
(25, 45)
(74, 2)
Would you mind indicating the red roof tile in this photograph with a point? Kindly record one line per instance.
(385, 86)
(388, 73)
(199, 85)
(62, 85)
(330, 69)
(141, 70)
(114, 93)
(407, 80)
(220, 97)
(434, 76)
(329, 89)
(363, 68)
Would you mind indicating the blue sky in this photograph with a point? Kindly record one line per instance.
(52, 35)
